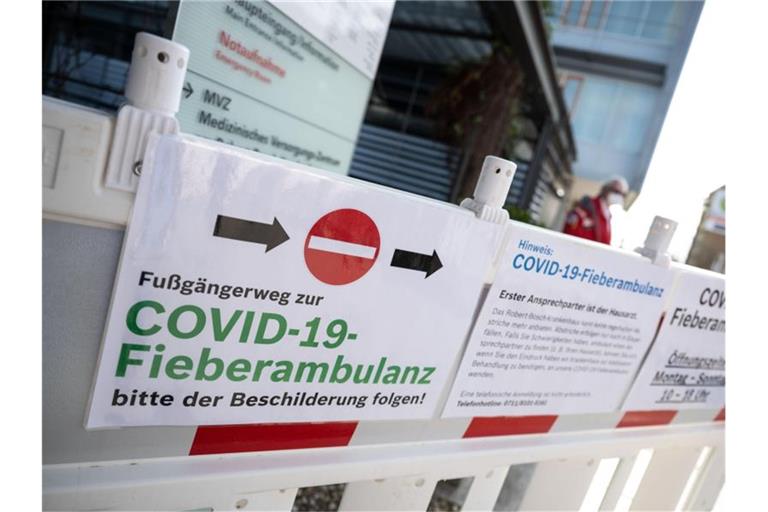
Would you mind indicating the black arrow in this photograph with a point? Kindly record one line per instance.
(271, 235)
(415, 261)
(188, 90)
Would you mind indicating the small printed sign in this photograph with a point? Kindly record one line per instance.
(563, 329)
(253, 289)
(685, 368)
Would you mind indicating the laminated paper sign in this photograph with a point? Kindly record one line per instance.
(563, 329)
(685, 368)
(253, 289)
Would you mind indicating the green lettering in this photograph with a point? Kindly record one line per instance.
(236, 367)
(220, 334)
(413, 371)
(313, 369)
(173, 321)
(392, 375)
(178, 364)
(206, 362)
(260, 365)
(282, 372)
(133, 314)
(125, 357)
(282, 326)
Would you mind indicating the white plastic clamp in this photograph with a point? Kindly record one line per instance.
(155, 82)
(657, 241)
(491, 190)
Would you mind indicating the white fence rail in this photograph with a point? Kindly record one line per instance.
(387, 465)
(403, 476)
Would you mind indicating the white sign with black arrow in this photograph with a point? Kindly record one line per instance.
(253, 289)
(429, 264)
(271, 235)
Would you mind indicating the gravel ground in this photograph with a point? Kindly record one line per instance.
(439, 504)
(323, 498)
(326, 498)
(449, 495)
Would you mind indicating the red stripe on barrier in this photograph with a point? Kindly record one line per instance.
(721, 415)
(646, 418)
(265, 437)
(509, 425)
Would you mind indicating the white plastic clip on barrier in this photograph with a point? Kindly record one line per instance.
(155, 82)
(657, 241)
(491, 190)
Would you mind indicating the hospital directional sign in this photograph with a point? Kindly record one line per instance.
(289, 79)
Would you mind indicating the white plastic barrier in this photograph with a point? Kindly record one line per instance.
(250, 466)
(404, 473)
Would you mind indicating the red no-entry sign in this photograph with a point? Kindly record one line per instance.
(342, 246)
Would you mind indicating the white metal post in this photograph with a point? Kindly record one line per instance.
(710, 482)
(406, 493)
(618, 483)
(665, 478)
(559, 484)
(485, 489)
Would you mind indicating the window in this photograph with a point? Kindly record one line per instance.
(663, 21)
(571, 84)
(590, 119)
(612, 113)
(573, 13)
(595, 14)
(624, 17)
(657, 19)
(632, 113)
(556, 10)
(580, 13)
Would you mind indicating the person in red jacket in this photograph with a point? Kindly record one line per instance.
(590, 218)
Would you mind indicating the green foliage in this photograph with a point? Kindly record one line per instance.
(520, 215)
(547, 11)
(479, 95)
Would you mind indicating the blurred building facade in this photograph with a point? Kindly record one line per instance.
(456, 81)
(87, 47)
(708, 247)
(618, 65)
